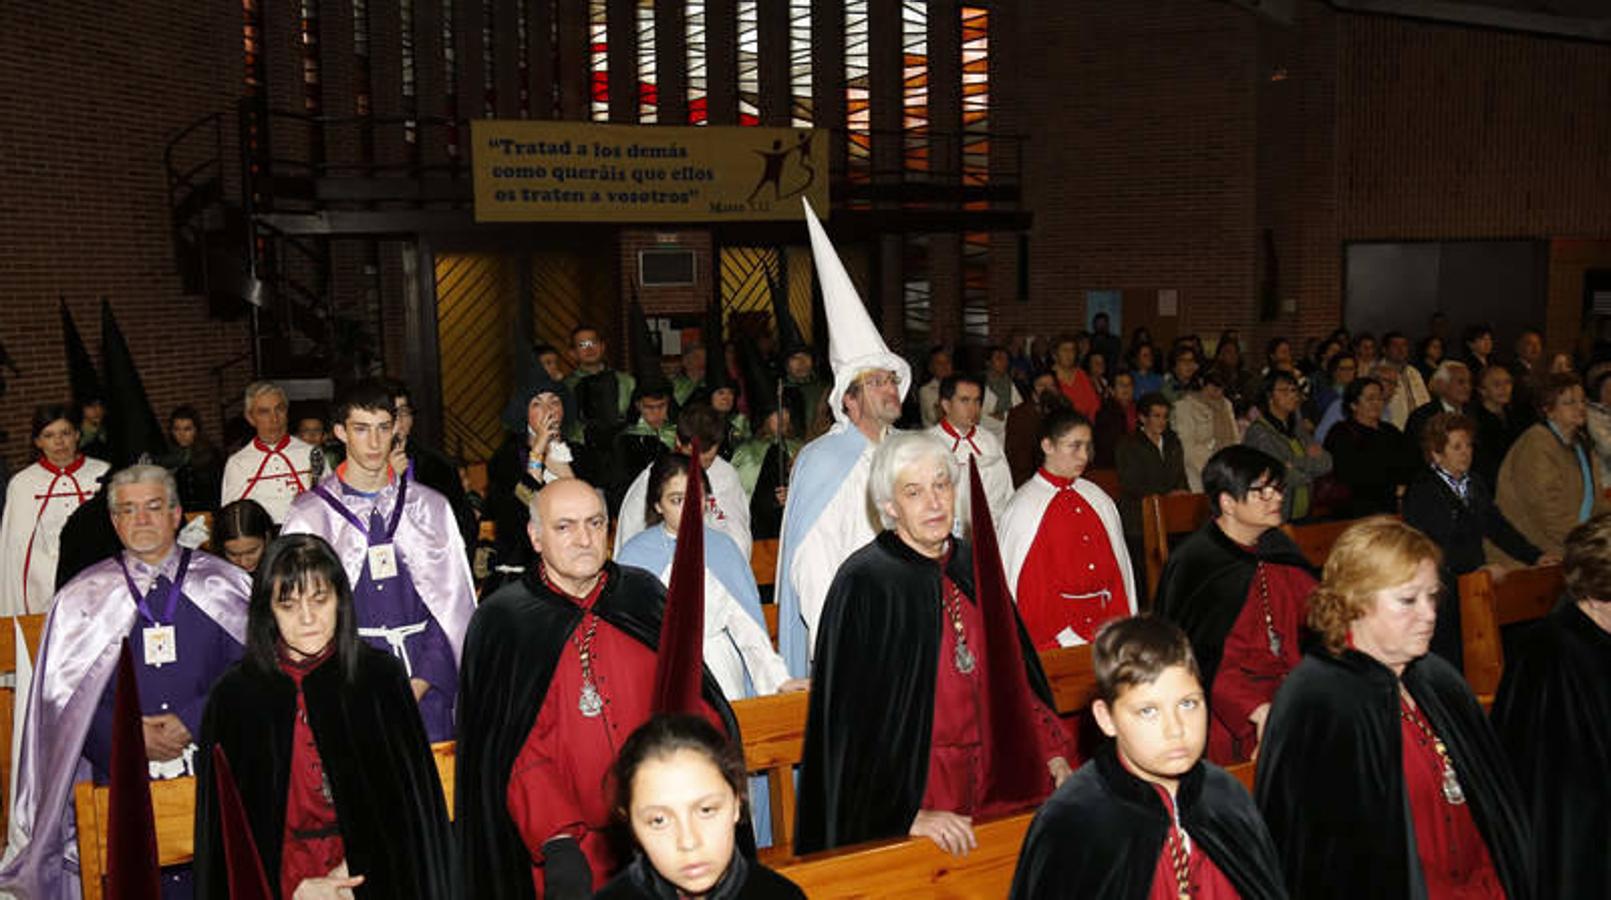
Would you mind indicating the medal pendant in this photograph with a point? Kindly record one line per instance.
(590, 703)
(1452, 791)
(964, 659)
(1275, 641)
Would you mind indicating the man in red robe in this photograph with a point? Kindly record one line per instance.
(558, 670)
(926, 713)
(1239, 588)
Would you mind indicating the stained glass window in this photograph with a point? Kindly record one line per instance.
(915, 83)
(858, 107)
(647, 96)
(698, 69)
(598, 25)
(800, 113)
(749, 63)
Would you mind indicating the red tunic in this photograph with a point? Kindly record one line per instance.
(1204, 880)
(959, 757)
(312, 845)
(1248, 673)
(1454, 858)
(557, 784)
(1068, 567)
(1081, 394)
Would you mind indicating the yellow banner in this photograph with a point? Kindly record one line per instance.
(530, 171)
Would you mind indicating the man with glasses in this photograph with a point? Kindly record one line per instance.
(603, 396)
(183, 613)
(827, 516)
(1239, 588)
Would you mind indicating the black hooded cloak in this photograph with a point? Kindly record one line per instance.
(388, 797)
(1204, 586)
(1331, 778)
(1100, 834)
(510, 653)
(1553, 716)
(864, 766)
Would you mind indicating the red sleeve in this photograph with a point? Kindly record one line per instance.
(540, 797)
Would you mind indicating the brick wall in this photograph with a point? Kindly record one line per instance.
(83, 203)
(1165, 138)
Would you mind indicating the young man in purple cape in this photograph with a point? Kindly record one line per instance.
(401, 548)
(183, 613)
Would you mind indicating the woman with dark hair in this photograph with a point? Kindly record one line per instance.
(38, 501)
(197, 467)
(1115, 420)
(1144, 368)
(242, 531)
(1429, 355)
(1370, 457)
(326, 746)
(679, 787)
(1281, 432)
(1455, 507)
(1379, 775)
(1096, 366)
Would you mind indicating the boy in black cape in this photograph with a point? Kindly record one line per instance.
(1553, 716)
(1147, 817)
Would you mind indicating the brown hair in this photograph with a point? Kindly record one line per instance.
(1435, 434)
(1133, 651)
(1587, 561)
(1549, 393)
(1376, 553)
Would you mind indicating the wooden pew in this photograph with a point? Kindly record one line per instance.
(1162, 517)
(916, 867)
(1106, 479)
(1486, 607)
(33, 628)
(1314, 541)
(173, 807)
(764, 561)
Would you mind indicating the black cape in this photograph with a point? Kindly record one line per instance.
(510, 652)
(1100, 834)
(441, 474)
(1553, 716)
(1331, 778)
(87, 536)
(864, 765)
(1204, 586)
(388, 797)
(766, 513)
(743, 880)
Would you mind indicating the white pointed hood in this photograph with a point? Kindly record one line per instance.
(854, 343)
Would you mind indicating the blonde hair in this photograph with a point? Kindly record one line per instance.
(1376, 553)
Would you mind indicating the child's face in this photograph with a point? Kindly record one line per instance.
(1161, 728)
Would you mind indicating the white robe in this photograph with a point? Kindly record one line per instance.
(38, 503)
(845, 524)
(993, 473)
(731, 507)
(1020, 524)
(272, 478)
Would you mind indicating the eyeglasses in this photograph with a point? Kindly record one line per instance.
(881, 379)
(586, 344)
(1267, 491)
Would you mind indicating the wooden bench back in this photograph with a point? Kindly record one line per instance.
(1315, 540)
(33, 628)
(1162, 517)
(764, 561)
(173, 806)
(1487, 606)
(1106, 479)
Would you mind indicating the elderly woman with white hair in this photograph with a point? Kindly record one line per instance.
(928, 704)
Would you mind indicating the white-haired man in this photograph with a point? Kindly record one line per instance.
(183, 613)
(275, 466)
(1451, 388)
(922, 667)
